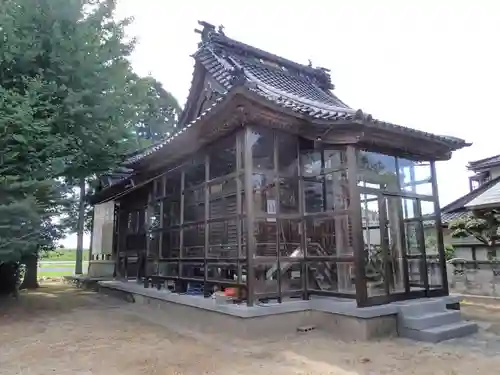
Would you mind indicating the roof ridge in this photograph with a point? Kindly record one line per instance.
(211, 35)
(483, 160)
(454, 206)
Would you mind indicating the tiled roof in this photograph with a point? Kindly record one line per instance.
(446, 218)
(460, 203)
(488, 198)
(484, 163)
(300, 88)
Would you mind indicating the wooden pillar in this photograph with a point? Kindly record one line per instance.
(357, 230)
(250, 254)
(439, 229)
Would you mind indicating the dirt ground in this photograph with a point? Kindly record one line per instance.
(61, 330)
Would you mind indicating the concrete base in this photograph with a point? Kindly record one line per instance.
(264, 325)
(101, 268)
(341, 317)
(84, 281)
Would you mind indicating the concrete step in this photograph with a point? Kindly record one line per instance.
(419, 307)
(441, 333)
(429, 320)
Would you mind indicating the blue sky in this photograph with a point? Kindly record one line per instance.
(429, 65)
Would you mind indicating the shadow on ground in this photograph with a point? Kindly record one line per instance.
(51, 298)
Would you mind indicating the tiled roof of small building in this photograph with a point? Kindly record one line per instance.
(461, 207)
(484, 163)
(490, 197)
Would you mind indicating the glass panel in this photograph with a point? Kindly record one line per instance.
(395, 243)
(264, 194)
(377, 171)
(432, 255)
(265, 238)
(133, 222)
(171, 213)
(289, 195)
(223, 199)
(155, 216)
(194, 241)
(170, 244)
(328, 236)
(290, 238)
(173, 184)
(333, 160)
(322, 276)
(413, 241)
(194, 205)
(151, 268)
(372, 236)
(287, 155)
(427, 208)
(337, 189)
(223, 239)
(141, 218)
(415, 272)
(346, 278)
(370, 221)
(326, 193)
(329, 276)
(170, 269)
(193, 270)
(262, 144)
(194, 172)
(410, 208)
(314, 162)
(222, 271)
(266, 278)
(223, 157)
(154, 244)
(291, 276)
(159, 187)
(315, 196)
(310, 162)
(415, 177)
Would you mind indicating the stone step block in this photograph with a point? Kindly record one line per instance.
(429, 320)
(441, 333)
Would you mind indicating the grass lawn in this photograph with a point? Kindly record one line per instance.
(66, 255)
(42, 273)
(60, 265)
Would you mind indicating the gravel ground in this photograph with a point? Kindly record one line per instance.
(61, 330)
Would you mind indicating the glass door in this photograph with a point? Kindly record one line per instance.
(394, 247)
(416, 260)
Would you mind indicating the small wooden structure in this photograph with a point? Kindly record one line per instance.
(273, 186)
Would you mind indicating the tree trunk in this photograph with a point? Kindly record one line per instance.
(31, 276)
(80, 228)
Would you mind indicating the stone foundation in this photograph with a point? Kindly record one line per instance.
(340, 317)
(270, 321)
(101, 268)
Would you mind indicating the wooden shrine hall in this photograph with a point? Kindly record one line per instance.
(274, 188)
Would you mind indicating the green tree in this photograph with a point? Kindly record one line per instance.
(157, 111)
(70, 106)
(482, 225)
(29, 155)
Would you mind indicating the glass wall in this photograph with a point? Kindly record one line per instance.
(196, 235)
(274, 216)
(301, 225)
(403, 250)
